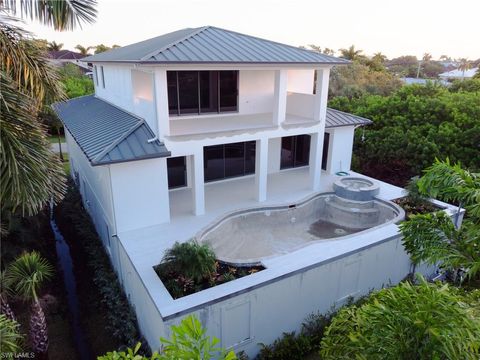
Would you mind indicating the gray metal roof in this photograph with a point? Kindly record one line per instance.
(337, 118)
(212, 45)
(107, 134)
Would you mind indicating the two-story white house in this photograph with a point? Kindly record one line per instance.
(191, 125)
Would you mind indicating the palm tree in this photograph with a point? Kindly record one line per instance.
(26, 274)
(434, 238)
(464, 65)
(83, 50)
(5, 292)
(379, 57)
(30, 173)
(10, 337)
(351, 53)
(427, 57)
(101, 48)
(53, 46)
(328, 51)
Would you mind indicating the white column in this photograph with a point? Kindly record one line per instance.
(280, 97)
(198, 185)
(161, 103)
(261, 169)
(315, 160)
(321, 94)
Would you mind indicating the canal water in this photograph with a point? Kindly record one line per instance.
(66, 266)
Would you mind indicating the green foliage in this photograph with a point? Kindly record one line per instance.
(412, 127)
(121, 321)
(292, 346)
(467, 85)
(10, 338)
(356, 80)
(188, 341)
(190, 259)
(75, 87)
(27, 273)
(425, 321)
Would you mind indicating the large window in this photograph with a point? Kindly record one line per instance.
(229, 160)
(295, 151)
(202, 92)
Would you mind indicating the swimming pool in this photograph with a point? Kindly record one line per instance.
(248, 236)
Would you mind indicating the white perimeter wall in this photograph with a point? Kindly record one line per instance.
(94, 185)
(264, 313)
(140, 193)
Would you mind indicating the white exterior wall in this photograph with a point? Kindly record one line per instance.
(274, 152)
(256, 90)
(340, 149)
(300, 81)
(140, 193)
(94, 185)
(143, 97)
(118, 85)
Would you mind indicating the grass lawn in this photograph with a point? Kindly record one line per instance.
(53, 139)
(66, 164)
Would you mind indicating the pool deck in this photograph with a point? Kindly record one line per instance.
(145, 247)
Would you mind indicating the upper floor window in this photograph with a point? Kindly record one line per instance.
(95, 74)
(102, 76)
(201, 92)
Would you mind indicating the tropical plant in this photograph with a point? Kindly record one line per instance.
(10, 337)
(188, 341)
(424, 321)
(190, 259)
(464, 65)
(5, 293)
(26, 274)
(53, 46)
(83, 50)
(351, 53)
(101, 48)
(434, 238)
(30, 174)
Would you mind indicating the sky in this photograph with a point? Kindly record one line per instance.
(395, 28)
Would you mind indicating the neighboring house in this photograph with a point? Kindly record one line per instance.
(188, 127)
(458, 74)
(62, 57)
(410, 81)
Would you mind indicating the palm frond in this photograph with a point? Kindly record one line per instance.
(24, 60)
(27, 273)
(10, 337)
(61, 15)
(30, 174)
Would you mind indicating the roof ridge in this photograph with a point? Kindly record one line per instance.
(116, 142)
(278, 43)
(194, 32)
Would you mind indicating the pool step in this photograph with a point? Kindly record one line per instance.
(353, 214)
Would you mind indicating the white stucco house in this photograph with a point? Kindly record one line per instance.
(197, 125)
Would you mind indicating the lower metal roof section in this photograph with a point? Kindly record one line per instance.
(107, 134)
(337, 118)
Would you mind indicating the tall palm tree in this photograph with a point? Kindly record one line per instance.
(379, 57)
(26, 274)
(351, 53)
(101, 48)
(427, 57)
(464, 65)
(53, 46)
(30, 174)
(83, 50)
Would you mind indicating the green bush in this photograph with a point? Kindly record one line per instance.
(190, 259)
(121, 320)
(425, 321)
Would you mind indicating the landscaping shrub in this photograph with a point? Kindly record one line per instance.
(425, 321)
(121, 320)
(292, 346)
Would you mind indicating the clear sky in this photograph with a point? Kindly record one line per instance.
(405, 27)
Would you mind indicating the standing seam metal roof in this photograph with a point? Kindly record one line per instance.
(337, 118)
(212, 45)
(107, 134)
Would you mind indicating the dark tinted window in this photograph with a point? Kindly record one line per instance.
(188, 91)
(177, 172)
(228, 90)
(229, 160)
(326, 142)
(295, 151)
(197, 92)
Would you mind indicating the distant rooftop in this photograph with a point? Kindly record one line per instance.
(107, 134)
(212, 45)
(459, 74)
(65, 55)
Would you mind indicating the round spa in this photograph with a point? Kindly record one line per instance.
(246, 237)
(356, 188)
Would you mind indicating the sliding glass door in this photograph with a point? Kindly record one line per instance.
(295, 151)
(229, 160)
